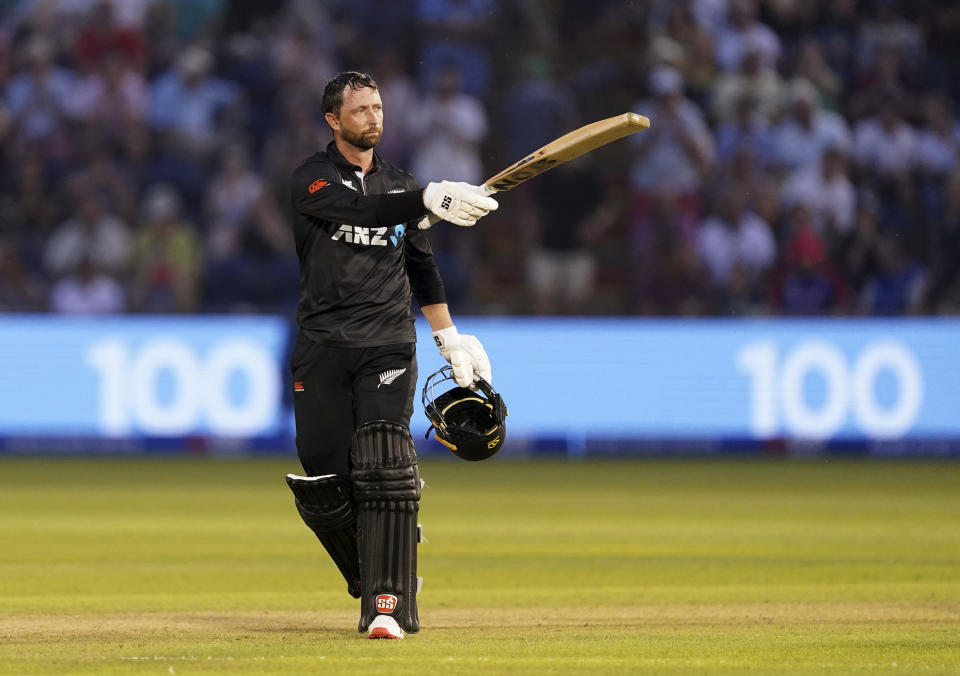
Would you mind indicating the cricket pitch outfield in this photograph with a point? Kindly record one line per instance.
(191, 566)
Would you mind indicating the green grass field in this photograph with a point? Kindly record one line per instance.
(197, 566)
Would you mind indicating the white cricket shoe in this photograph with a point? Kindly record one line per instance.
(384, 626)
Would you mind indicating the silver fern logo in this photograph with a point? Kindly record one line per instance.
(388, 377)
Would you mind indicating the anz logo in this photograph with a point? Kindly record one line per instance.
(366, 236)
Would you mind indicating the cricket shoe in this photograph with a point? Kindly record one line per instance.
(384, 626)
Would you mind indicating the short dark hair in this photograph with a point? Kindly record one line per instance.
(333, 92)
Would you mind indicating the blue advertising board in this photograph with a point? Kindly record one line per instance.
(578, 379)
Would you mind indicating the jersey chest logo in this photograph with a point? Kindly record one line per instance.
(367, 236)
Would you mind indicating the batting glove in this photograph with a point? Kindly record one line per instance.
(459, 203)
(465, 354)
(428, 221)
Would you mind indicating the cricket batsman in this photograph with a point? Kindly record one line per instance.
(359, 226)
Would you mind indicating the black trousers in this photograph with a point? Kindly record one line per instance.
(337, 389)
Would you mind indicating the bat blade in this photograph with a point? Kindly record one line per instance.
(566, 148)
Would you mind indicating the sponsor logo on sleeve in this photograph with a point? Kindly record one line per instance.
(316, 185)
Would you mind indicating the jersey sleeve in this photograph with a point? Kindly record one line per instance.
(425, 281)
(316, 190)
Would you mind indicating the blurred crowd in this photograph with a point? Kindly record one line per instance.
(803, 157)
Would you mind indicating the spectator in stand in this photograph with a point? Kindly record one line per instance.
(94, 234)
(827, 194)
(21, 289)
(195, 19)
(938, 144)
(755, 78)
(561, 268)
(297, 128)
(857, 254)
(250, 259)
(883, 80)
(456, 33)
(538, 108)
(940, 23)
(136, 154)
(733, 236)
(87, 290)
(29, 210)
(111, 94)
(885, 144)
(807, 284)
(131, 14)
(741, 297)
(450, 127)
(743, 29)
(601, 79)
(945, 286)
(746, 176)
(167, 257)
(261, 272)
(38, 96)
(307, 37)
(696, 50)
(6, 68)
(837, 34)
(710, 15)
(938, 156)
(677, 151)
(187, 100)
(888, 32)
(812, 66)
(746, 130)
(667, 275)
(401, 100)
(102, 36)
(899, 284)
(99, 172)
(231, 197)
(806, 131)
(886, 152)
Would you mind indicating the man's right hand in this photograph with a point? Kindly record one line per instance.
(459, 203)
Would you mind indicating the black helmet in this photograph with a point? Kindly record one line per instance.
(468, 422)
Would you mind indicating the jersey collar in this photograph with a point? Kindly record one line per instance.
(334, 153)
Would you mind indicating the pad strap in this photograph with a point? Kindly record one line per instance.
(324, 504)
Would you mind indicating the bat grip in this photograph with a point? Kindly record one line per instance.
(488, 190)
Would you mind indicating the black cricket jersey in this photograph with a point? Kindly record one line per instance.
(361, 253)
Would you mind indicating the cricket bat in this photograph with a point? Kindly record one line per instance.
(565, 148)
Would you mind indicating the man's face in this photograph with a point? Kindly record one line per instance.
(360, 120)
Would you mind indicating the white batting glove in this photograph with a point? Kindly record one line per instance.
(428, 221)
(465, 354)
(459, 203)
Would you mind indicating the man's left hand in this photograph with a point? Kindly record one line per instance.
(465, 354)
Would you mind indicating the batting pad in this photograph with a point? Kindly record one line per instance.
(386, 492)
(325, 506)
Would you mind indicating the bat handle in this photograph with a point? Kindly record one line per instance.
(488, 189)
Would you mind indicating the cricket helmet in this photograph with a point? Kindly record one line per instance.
(471, 423)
